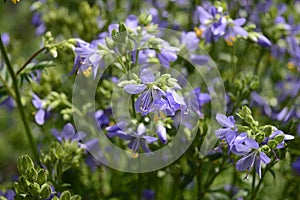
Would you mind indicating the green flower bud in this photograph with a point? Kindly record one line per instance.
(272, 144)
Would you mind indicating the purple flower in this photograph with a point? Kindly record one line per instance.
(5, 39)
(102, 117)
(131, 22)
(277, 133)
(263, 41)
(114, 129)
(9, 194)
(137, 139)
(213, 23)
(258, 100)
(68, 134)
(8, 103)
(229, 131)
(254, 158)
(148, 195)
(151, 94)
(198, 100)
(190, 40)
(199, 59)
(166, 56)
(87, 56)
(161, 131)
(43, 113)
(233, 29)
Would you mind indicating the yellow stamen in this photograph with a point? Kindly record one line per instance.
(15, 1)
(87, 72)
(134, 155)
(229, 41)
(291, 66)
(111, 123)
(198, 32)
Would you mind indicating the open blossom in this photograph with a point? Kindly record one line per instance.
(253, 153)
(213, 23)
(88, 57)
(253, 158)
(137, 138)
(153, 97)
(233, 29)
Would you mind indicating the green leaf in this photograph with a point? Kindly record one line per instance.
(34, 189)
(42, 177)
(45, 191)
(25, 163)
(66, 195)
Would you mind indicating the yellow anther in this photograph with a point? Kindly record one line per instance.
(15, 1)
(87, 72)
(291, 66)
(134, 155)
(229, 41)
(198, 32)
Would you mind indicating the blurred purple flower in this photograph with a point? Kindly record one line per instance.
(197, 100)
(148, 195)
(138, 139)
(5, 39)
(258, 100)
(68, 133)
(9, 194)
(8, 103)
(229, 131)
(161, 131)
(43, 113)
(233, 29)
(102, 117)
(296, 166)
(87, 55)
(213, 23)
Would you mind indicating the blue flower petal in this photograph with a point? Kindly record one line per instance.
(134, 88)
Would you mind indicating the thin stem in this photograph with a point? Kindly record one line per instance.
(253, 184)
(29, 60)
(18, 101)
(258, 62)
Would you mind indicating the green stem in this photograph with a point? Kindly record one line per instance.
(18, 101)
(29, 60)
(258, 61)
(253, 184)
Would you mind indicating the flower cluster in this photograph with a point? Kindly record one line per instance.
(215, 24)
(158, 93)
(250, 140)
